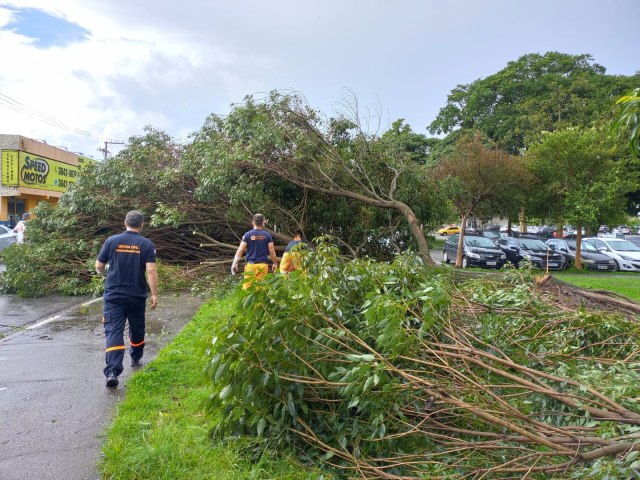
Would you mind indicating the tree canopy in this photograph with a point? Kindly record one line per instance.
(475, 174)
(630, 117)
(582, 172)
(533, 94)
(279, 138)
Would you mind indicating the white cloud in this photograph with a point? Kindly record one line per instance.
(123, 76)
(169, 63)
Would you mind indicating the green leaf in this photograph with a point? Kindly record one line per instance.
(224, 393)
(262, 424)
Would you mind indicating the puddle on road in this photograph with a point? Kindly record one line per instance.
(173, 312)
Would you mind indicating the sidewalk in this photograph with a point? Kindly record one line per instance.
(54, 405)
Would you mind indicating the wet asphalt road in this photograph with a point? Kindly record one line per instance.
(15, 312)
(54, 405)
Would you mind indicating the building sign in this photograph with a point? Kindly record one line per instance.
(43, 173)
(85, 161)
(9, 168)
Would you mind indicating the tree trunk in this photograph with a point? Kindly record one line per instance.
(463, 224)
(578, 246)
(414, 226)
(418, 234)
(522, 219)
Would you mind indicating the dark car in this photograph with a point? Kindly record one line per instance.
(532, 249)
(478, 251)
(546, 231)
(492, 235)
(591, 258)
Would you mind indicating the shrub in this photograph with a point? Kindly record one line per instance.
(397, 369)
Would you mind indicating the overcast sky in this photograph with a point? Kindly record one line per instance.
(76, 72)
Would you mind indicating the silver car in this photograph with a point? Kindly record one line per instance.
(7, 237)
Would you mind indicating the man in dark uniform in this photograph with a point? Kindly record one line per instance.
(128, 255)
(258, 244)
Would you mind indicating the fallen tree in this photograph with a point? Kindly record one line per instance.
(397, 371)
(280, 137)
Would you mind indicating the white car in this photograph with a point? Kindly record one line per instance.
(7, 237)
(625, 253)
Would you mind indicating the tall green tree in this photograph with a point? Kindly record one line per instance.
(416, 146)
(535, 93)
(630, 117)
(476, 174)
(584, 172)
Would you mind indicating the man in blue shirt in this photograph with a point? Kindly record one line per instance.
(129, 255)
(258, 244)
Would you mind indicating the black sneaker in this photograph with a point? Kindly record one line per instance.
(112, 380)
(137, 363)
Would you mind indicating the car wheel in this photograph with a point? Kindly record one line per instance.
(465, 262)
(445, 257)
(616, 266)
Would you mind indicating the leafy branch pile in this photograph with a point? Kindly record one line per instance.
(398, 371)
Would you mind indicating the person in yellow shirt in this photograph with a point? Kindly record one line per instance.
(289, 261)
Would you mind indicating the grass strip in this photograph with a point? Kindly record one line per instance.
(627, 285)
(161, 432)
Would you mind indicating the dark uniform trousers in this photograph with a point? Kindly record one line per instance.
(116, 312)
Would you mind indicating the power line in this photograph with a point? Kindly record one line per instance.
(23, 109)
(19, 107)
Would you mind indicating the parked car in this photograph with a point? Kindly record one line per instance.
(615, 233)
(624, 229)
(546, 231)
(625, 253)
(449, 230)
(634, 240)
(478, 251)
(7, 237)
(492, 235)
(505, 228)
(532, 249)
(492, 226)
(591, 258)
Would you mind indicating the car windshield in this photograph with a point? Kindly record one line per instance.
(533, 245)
(586, 247)
(491, 234)
(623, 246)
(480, 242)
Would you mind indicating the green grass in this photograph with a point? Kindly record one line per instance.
(435, 244)
(627, 284)
(161, 432)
